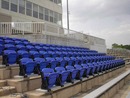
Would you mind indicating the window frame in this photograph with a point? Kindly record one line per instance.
(5, 4)
(22, 9)
(29, 11)
(35, 11)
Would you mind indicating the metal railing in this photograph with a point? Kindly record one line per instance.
(22, 28)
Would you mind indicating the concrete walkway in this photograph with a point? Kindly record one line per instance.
(124, 92)
(82, 94)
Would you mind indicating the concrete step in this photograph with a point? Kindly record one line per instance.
(3, 83)
(9, 72)
(6, 90)
(1, 59)
(15, 95)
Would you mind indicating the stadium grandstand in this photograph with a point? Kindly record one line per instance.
(41, 59)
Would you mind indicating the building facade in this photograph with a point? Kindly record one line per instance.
(48, 11)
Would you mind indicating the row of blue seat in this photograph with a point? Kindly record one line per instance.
(8, 54)
(37, 48)
(13, 39)
(50, 77)
(67, 73)
(36, 65)
(44, 48)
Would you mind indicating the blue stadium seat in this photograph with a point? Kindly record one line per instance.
(93, 68)
(70, 62)
(24, 60)
(9, 57)
(49, 78)
(39, 59)
(97, 67)
(19, 43)
(58, 49)
(52, 48)
(31, 48)
(24, 40)
(39, 48)
(73, 72)
(78, 60)
(1, 49)
(46, 48)
(9, 42)
(26, 43)
(21, 47)
(41, 63)
(81, 71)
(23, 54)
(7, 38)
(88, 70)
(36, 44)
(26, 67)
(64, 49)
(35, 54)
(55, 55)
(85, 60)
(10, 47)
(62, 62)
(53, 63)
(65, 54)
(1, 38)
(63, 74)
(101, 66)
(45, 54)
(51, 53)
(59, 53)
(1, 41)
(74, 54)
(62, 55)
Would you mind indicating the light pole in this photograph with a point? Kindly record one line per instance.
(68, 25)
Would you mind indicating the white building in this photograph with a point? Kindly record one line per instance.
(49, 11)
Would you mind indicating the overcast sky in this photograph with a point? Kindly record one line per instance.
(107, 19)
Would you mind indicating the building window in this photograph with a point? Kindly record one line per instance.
(28, 8)
(5, 4)
(55, 17)
(22, 6)
(14, 5)
(35, 10)
(59, 19)
(41, 13)
(55, 1)
(46, 14)
(51, 16)
(59, 2)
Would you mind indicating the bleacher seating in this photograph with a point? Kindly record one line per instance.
(56, 64)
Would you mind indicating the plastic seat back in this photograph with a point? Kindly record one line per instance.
(10, 47)
(49, 78)
(23, 54)
(9, 57)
